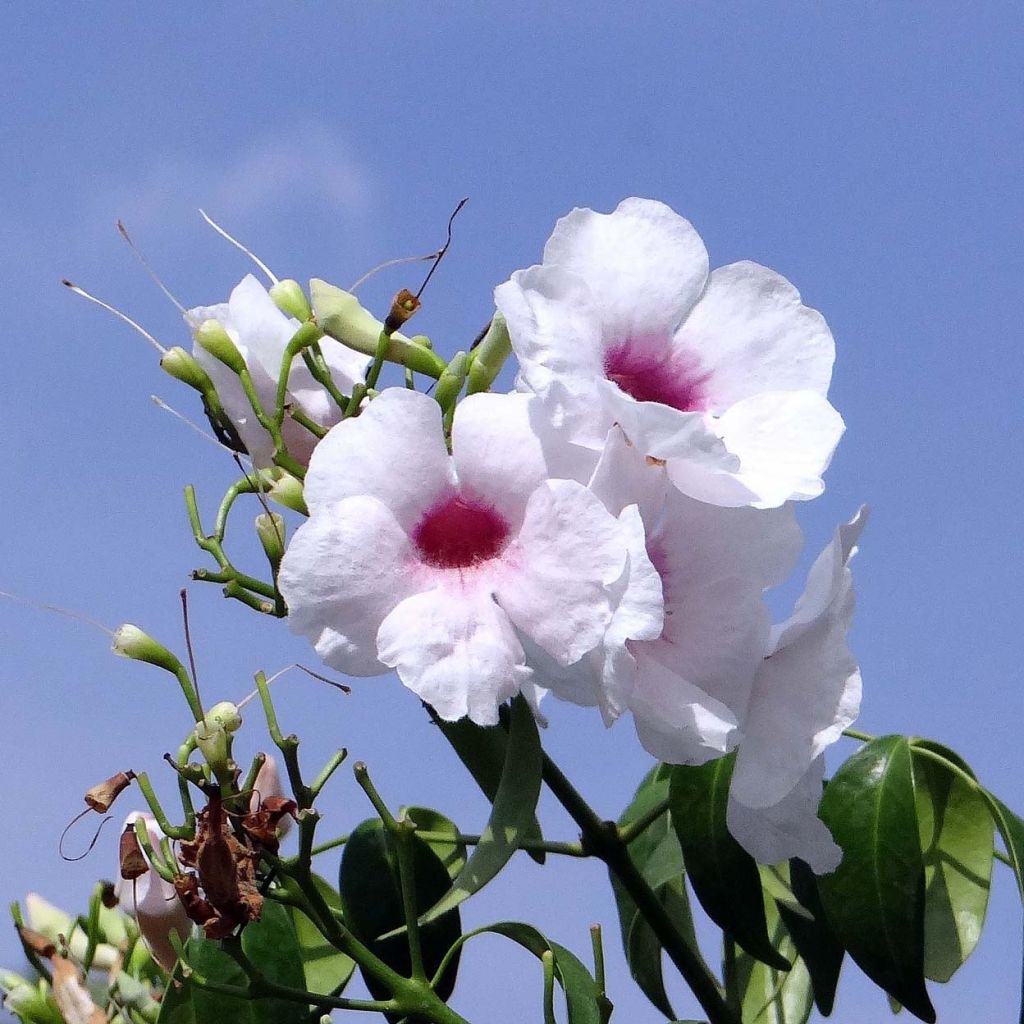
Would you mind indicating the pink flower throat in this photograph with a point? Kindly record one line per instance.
(651, 371)
(459, 532)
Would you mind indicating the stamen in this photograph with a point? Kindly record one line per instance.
(235, 242)
(149, 270)
(121, 316)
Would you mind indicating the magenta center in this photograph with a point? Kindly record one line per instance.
(459, 532)
(654, 372)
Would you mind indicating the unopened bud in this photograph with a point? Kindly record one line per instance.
(289, 297)
(132, 860)
(403, 306)
(212, 336)
(132, 642)
(225, 715)
(270, 528)
(182, 366)
(100, 797)
(287, 491)
(489, 355)
(212, 741)
(450, 382)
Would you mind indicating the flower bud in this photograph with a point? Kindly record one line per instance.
(212, 336)
(153, 902)
(287, 491)
(132, 642)
(24, 999)
(51, 922)
(489, 355)
(212, 741)
(289, 297)
(450, 382)
(225, 715)
(182, 366)
(270, 528)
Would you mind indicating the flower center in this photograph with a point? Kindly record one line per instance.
(653, 372)
(458, 532)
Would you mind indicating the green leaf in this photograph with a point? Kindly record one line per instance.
(271, 944)
(584, 1001)
(875, 898)
(769, 996)
(483, 751)
(957, 835)
(326, 969)
(723, 875)
(451, 850)
(657, 856)
(371, 902)
(1011, 828)
(813, 937)
(512, 812)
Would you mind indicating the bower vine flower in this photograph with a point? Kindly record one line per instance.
(443, 566)
(261, 332)
(723, 375)
(153, 902)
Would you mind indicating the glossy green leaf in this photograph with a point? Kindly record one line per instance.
(371, 901)
(483, 751)
(723, 875)
(450, 849)
(657, 856)
(813, 937)
(584, 1002)
(1011, 828)
(875, 898)
(957, 836)
(271, 944)
(766, 995)
(326, 969)
(512, 812)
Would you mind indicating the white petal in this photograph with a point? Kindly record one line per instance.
(750, 333)
(393, 450)
(790, 828)
(345, 569)
(808, 690)
(456, 650)
(500, 450)
(676, 721)
(644, 264)
(569, 551)
(625, 476)
(554, 325)
(784, 441)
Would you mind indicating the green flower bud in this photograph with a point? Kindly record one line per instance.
(225, 716)
(132, 642)
(182, 366)
(214, 742)
(340, 316)
(289, 297)
(450, 383)
(287, 491)
(271, 531)
(489, 355)
(212, 336)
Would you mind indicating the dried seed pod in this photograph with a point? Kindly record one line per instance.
(132, 859)
(101, 797)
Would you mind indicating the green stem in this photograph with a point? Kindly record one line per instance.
(534, 846)
(186, 831)
(627, 833)
(602, 840)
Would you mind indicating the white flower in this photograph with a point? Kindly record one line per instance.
(688, 676)
(261, 333)
(723, 375)
(153, 902)
(434, 564)
(806, 693)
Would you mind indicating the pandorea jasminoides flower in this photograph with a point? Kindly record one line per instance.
(436, 564)
(805, 694)
(154, 903)
(724, 375)
(261, 333)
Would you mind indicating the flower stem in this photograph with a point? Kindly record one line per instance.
(602, 840)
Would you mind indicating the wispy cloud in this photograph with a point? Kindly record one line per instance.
(310, 161)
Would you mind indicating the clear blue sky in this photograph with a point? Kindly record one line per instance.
(870, 152)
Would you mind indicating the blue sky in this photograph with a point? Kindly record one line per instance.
(870, 152)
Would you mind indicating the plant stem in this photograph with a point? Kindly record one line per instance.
(530, 845)
(602, 840)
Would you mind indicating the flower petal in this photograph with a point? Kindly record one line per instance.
(345, 569)
(569, 551)
(456, 650)
(808, 689)
(676, 721)
(393, 450)
(790, 828)
(750, 333)
(784, 440)
(644, 264)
